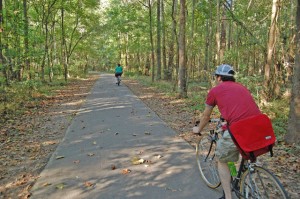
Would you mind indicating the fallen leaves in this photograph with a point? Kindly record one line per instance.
(126, 171)
(59, 157)
(60, 186)
(137, 161)
(28, 139)
(46, 143)
(76, 161)
(46, 184)
(88, 184)
(113, 167)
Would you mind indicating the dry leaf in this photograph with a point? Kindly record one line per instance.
(60, 186)
(126, 171)
(49, 143)
(76, 161)
(88, 184)
(91, 154)
(113, 167)
(137, 160)
(59, 157)
(46, 184)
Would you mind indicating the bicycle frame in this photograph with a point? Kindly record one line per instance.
(214, 138)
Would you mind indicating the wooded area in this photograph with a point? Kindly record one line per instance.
(42, 41)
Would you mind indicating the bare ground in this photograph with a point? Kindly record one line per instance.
(27, 142)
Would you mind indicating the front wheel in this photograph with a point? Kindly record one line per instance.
(207, 163)
(258, 182)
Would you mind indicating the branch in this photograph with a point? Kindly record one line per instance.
(143, 4)
(243, 26)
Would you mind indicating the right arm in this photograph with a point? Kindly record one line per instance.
(204, 118)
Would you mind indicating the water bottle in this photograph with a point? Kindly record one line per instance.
(232, 169)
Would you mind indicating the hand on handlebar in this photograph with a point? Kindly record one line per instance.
(196, 130)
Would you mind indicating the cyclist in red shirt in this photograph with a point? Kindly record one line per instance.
(234, 102)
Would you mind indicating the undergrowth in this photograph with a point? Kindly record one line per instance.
(277, 110)
(19, 96)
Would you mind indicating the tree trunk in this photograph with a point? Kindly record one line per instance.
(158, 40)
(45, 50)
(269, 91)
(164, 51)
(151, 39)
(223, 35)
(182, 86)
(26, 39)
(218, 34)
(191, 60)
(172, 44)
(63, 46)
(2, 45)
(293, 133)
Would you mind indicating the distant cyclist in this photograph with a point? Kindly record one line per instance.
(118, 71)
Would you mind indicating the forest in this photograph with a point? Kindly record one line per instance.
(46, 43)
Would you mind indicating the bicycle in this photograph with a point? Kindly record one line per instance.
(252, 180)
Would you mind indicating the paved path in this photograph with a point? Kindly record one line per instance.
(112, 128)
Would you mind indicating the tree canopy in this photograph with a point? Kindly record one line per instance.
(172, 40)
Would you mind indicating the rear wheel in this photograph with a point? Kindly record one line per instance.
(206, 160)
(119, 80)
(260, 183)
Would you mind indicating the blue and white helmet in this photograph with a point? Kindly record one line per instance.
(225, 70)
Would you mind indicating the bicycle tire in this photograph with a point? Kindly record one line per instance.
(259, 182)
(207, 164)
(119, 81)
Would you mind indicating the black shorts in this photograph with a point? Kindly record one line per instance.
(118, 74)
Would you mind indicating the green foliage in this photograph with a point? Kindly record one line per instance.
(19, 95)
(162, 86)
(253, 83)
(31, 85)
(132, 74)
(278, 111)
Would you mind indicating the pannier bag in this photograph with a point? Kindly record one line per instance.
(253, 136)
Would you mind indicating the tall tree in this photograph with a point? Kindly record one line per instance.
(269, 87)
(172, 45)
(158, 40)
(26, 39)
(151, 39)
(182, 82)
(164, 50)
(1, 39)
(63, 43)
(293, 133)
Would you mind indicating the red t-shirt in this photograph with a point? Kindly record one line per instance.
(234, 101)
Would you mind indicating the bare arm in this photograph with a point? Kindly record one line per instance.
(205, 118)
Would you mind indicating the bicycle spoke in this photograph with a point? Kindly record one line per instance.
(259, 183)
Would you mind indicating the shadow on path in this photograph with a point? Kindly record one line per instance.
(111, 129)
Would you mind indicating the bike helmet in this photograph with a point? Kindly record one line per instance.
(225, 70)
